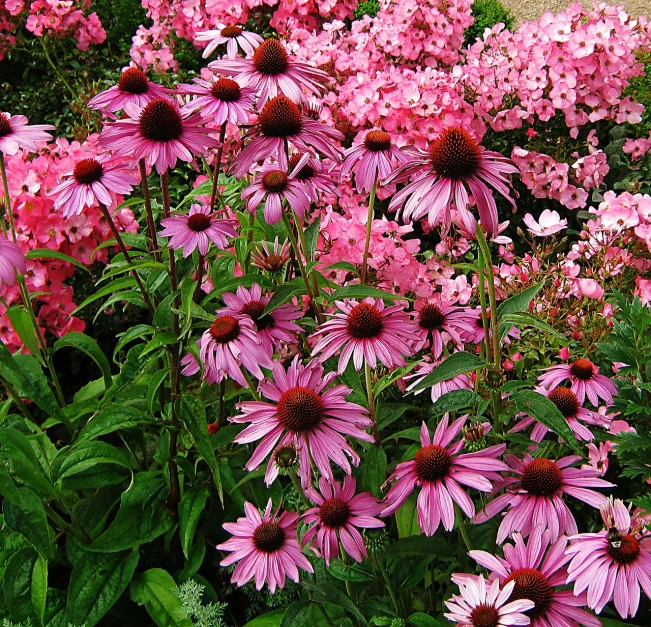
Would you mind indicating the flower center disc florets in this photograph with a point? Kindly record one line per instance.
(199, 222)
(133, 81)
(431, 317)
(305, 173)
(271, 58)
(542, 477)
(376, 141)
(5, 127)
(275, 181)
(268, 537)
(300, 409)
(364, 321)
(582, 369)
(432, 463)
(274, 263)
(565, 400)
(88, 171)
(226, 90)
(334, 513)
(280, 117)
(627, 551)
(225, 329)
(160, 121)
(455, 154)
(484, 616)
(231, 31)
(286, 456)
(254, 310)
(533, 585)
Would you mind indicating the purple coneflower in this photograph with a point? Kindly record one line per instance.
(454, 162)
(365, 331)
(442, 324)
(273, 328)
(439, 470)
(92, 181)
(231, 342)
(271, 260)
(197, 230)
(584, 378)
(273, 186)
(232, 36)
(538, 570)
(16, 134)
(458, 382)
(281, 122)
(304, 412)
(481, 605)
(222, 99)
(475, 334)
(535, 496)
(12, 260)
(158, 133)
(271, 72)
(133, 88)
(372, 160)
(312, 175)
(338, 515)
(266, 548)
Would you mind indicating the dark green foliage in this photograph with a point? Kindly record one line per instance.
(487, 13)
(120, 19)
(640, 91)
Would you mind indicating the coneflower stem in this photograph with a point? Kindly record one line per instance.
(298, 487)
(306, 250)
(490, 277)
(217, 166)
(369, 226)
(484, 309)
(252, 386)
(197, 290)
(371, 403)
(151, 225)
(5, 187)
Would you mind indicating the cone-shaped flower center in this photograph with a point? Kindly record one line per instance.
(273, 263)
(533, 585)
(305, 173)
(375, 141)
(431, 317)
(484, 616)
(199, 222)
(280, 117)
(133, 81)
(455, 154)
(334, 513)
(627, 551)
(268, 537)
(88, 171)
(565, 400)
(364, 321)
(582, 369)
(225, 329)
(5, 127)
(542, 477)
(254, 310)
(275, 181)
(160, 121)
(226, 90)
(300, 409)
(286, 456)
(271, 58)
(432, 463)
(231, 31)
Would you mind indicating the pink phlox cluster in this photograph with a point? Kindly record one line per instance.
(637, 148)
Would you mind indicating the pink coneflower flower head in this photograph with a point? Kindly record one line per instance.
(338, 515)
(458, 382)
(157, 133)
(221, 99)
(271, 260)
(548, 223)
(273, 328)
(476, 336)
(584, 378)
(537, 569)
(266, 548)
(485, 605)
(304, 411)
(440, 469)
(281, 122)
(273, 186)
(12, 260)
(365, 331)
(133, 88)
(92, 181)
(271, 72)
(372, 160)
(233, 36)
(441, 324)
(454, 165)
(611, 564)
(197, 230)
(231, 342)
(535, 496)
(315, 179)
(16, 134)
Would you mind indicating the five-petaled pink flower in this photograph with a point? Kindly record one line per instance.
(548, 223)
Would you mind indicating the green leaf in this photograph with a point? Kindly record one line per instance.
(297, 614)
(92, 465)
(110, 419)
(420, 545)
(123, 283)
(328, 593)
(226, 435)
(22, 324)
(284, 293)
(342, 265)
(455, 364)
(134, 333)
(392, 377)
(419, 619)
(272, 619)
(29, 520)
(46, 253)
(160, 339)
(407, 518)
(97, 582)
(89, 346)
(519, 302)
(312, 237)
(390, 412)
(364, 291)
(544, 411)
(190, 508)
(27, 465)
(519, 319)
(8, 489)
(347, 572)
(158, 592)
(375, 469)
(154, 384)
(455, 400)
(25, 586)
(610, 622)
(193, 563)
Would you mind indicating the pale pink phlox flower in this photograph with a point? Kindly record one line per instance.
(15, 133)
(232, 36)
(548, 223)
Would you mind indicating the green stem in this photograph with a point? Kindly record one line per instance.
(488, 263)
(371, 403)
(56, 69)
(463, 528)
(5, 187)
(17, 400)
(217, 168)
(306, 250)
(389, 585)
(299, 488)
(249, 381)
(151, 224)
(369, 225)
(484, 308)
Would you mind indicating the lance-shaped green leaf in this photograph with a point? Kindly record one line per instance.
(455, 364)
(518, 302)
